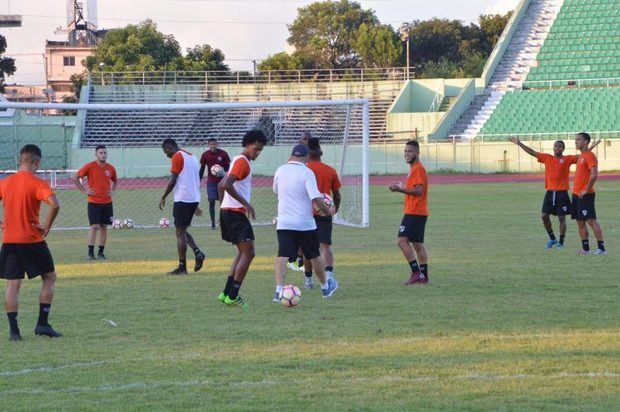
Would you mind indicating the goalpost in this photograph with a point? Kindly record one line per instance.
(133, 134)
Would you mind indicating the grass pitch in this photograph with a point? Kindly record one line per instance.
(504, 325)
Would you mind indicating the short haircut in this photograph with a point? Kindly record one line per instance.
(254, 136)
(585, 136)
(212, 139)
(306, 134)
(33, 152)
(413, 143)
(101, 146)
(169, 142)
(562, 143)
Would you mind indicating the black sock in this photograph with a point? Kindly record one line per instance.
(292, 259)
(585, 245)
(309, 274)
(414, 266)
(182, 263)
(424, 269)
(91, 249)
(329, 268)
(551, 235)
(212, 211)
(13, 322)
(44, 311)
(601, 245)
(234, 290)
(101, 249)
(561, 239)
(229, 283)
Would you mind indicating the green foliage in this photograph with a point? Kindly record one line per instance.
(77, 81)
(492, 25)
(7, 64)
(204, 58)
(281, 61)
(378, 46)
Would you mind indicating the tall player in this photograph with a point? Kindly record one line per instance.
(102, 183)
(234, 191)
(328, 182)
(412, 227)
(185, 182)
(213, 156)
(583, 196)
(24, 250)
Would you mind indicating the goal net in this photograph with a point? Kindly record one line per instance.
(133, 134)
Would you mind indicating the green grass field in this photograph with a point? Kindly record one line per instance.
(505, 325)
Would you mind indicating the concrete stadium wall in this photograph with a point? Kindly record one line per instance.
(462, 102)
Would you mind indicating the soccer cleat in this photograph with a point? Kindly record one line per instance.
(292, 266)
(599, 252)
(180, 271)
(551, 243)
(238, 301)
(213, 226)
(200, 258)
(46, 330)
(332, 286)
(14, 337)
(101, 256)
(309, 283)
(416, 278)
(222, 297)
(276, 297)
(583, 252)
(91, 256)
(560, 246)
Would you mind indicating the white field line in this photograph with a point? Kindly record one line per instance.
(108, 387)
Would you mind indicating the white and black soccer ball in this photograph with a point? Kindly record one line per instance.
(291, 296)
(217, 171)
(164, 223)
(327, 199)
(128, 224)
(117, 224)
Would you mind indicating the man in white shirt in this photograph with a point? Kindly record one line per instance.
(185, 182)
(298, 193)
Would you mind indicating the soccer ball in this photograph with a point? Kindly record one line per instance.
(217, 171)
(163, 222)
(327, 199)
(128, 224)
(117, 224)
(275, 220)
(291, 296)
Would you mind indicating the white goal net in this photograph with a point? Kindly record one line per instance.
(133, 134)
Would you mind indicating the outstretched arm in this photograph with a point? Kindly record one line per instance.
(527, 149)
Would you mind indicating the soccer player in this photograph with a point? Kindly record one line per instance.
(328, 182)
(234, 191)
(297, 191)
(185, 182)
(583, 196)
(102, 183)
(24, 250)
(213, 156)
(557, 176)
(413, 224)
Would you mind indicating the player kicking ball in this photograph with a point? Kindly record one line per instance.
(234, 193)
(24, 250)
(185, 183)
(412, 227)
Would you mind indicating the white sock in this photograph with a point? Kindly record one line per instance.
(279, 289)
(329, 274)
(324, 286)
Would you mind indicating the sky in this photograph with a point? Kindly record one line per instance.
(243, 29)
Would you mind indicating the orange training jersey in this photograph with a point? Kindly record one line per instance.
(21, 196)
(326, 177)
(417, 205)
(587, 161)
(557, 170)
(99, 179)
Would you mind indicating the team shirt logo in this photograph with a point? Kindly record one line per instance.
(107, 173)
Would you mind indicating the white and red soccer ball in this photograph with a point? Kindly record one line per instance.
(327, 199)
(291, 296)
(164, 223)
(217, 171)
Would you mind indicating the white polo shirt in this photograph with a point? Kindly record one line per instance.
(296, 187)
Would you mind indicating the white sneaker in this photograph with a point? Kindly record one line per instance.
(309, 283)
(276, 297)
(599, 252)
(292, 266)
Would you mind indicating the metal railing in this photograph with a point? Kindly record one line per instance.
(495, 137)
(435, 103)
(577, 83)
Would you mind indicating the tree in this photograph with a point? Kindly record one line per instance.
(204, 58)
(378, 46)
(492, 25)
(435, 40)
(326, 32)
(77, 81)
(281, 61)
(7, 64)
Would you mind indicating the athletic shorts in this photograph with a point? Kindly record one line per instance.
(556, 203)
(289, 242)
(412, 227)
(212, 191)
(235, 227)
(324, 228)
(183, 213)
(583, 209)
(100, 213)
(17, 259)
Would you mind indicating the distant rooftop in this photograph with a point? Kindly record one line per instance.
(10, 20)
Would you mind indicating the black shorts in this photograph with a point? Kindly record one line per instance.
(17, 259)
(100, 213)
(324, 228)
(412, 227)
(556, 203)
(235, 226)
(289, 242)
(183, 213)
(583, 209)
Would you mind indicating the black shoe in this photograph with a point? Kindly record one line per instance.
(91, 256)
(180, 271)
(46, 330)
(101, 256)
(14, 337)
(213, 226)
(200, 257)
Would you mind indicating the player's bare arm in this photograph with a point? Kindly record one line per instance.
(591, 181)
(113, 189)
(227, 184)
(173, 181)
(337, 198)
(54, 208)
(418, 190)
(201, 173)
(527, 149)
(78, 183)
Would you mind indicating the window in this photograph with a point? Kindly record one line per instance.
(68, 61)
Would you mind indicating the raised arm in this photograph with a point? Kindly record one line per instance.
(527, 149)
